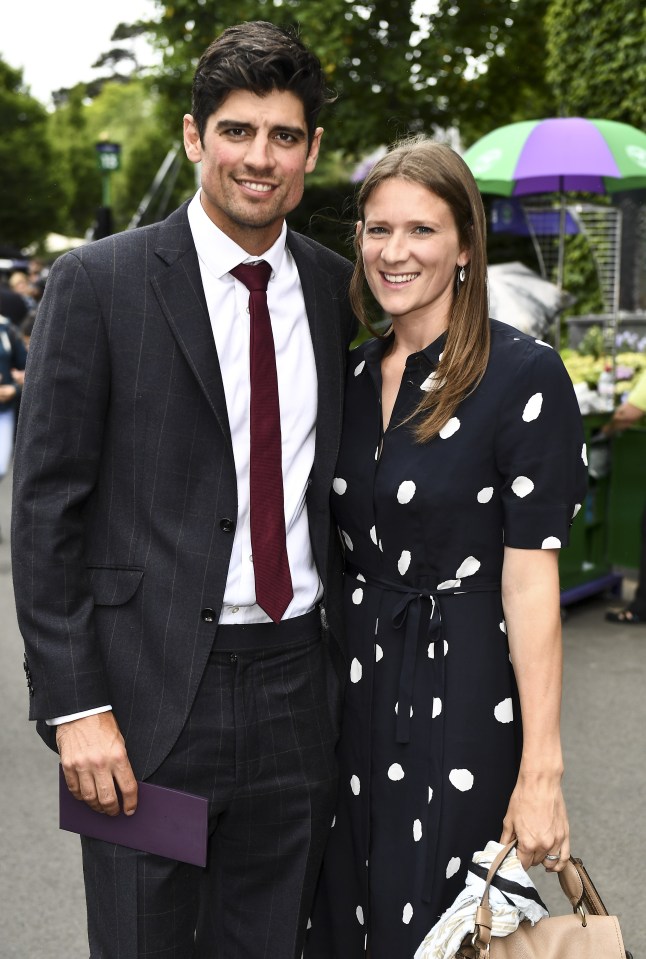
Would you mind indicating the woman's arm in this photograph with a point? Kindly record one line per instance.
(536, 814)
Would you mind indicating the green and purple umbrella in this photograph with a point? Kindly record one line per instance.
(559, 155)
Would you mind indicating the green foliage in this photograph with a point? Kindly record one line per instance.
(593, 343)
(395, 70)
(30, 189)
(595, 58)
(580, 277)
(125, 113)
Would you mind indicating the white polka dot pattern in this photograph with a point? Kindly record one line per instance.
(462, 779)
(504, 711)
(453, 866)
(405, 492)
(445, 509)
(449, 428)
(522, 486)
(470, 566)
(533, 408)
(347, 540)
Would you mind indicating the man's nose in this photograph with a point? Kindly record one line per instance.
(259, 154)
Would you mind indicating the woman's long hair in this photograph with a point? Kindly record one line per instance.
(464, 358)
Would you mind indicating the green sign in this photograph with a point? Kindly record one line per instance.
(108, 156)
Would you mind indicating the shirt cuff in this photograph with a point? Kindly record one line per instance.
(81, 715)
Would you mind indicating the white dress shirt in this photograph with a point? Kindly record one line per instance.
(228, 304)
(227, 300)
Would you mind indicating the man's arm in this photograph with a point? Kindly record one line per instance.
(57, 462)
(624, 416)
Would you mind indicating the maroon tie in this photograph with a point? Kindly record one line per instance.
(267, 506)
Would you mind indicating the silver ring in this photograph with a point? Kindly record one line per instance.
(552, 858)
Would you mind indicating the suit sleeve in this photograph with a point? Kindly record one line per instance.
(57, 459)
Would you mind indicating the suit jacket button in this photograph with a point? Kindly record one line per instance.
(227, 525)
(208, 615)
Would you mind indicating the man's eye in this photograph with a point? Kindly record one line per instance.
(286, 137)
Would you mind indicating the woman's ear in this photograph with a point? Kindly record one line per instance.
(464, 258)
(358, 235)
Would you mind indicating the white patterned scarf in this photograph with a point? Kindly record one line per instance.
(512, 899)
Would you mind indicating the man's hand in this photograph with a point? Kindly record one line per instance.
(94, 758)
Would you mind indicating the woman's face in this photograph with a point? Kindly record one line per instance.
(410, 247)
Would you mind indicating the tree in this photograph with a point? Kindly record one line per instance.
(396, 66)
(125, 112)
(32, 195)
(595, 58)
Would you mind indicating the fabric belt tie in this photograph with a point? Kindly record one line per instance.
(273, 579)
(407, 614)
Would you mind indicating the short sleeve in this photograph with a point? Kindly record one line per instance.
(637, 396)
(540, 452)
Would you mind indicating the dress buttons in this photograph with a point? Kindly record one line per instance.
(227, 525)
(208, 615)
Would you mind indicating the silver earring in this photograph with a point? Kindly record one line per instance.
(462, 275)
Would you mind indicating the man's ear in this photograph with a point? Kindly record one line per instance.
(192, 141)
(313, 153)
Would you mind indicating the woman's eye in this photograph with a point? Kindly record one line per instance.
(376, 230)
(423, 230)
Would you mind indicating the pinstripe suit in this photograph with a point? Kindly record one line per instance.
(124, 480)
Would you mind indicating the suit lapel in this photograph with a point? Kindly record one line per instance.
(324, 318)
(180, 294)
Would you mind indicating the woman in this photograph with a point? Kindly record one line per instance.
(461, 466)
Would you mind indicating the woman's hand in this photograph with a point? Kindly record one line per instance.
(537, 818)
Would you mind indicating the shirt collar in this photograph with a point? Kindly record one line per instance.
(218, 252)
(376, 348)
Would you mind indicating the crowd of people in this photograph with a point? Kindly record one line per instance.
(20, 294)
(317, 587)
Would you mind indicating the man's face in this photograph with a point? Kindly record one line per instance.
(254, 159)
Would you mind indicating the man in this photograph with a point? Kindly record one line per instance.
(137, 551)
(629, 413)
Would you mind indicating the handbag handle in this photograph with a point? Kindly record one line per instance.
(575, 883)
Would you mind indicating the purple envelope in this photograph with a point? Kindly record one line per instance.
(167, 822)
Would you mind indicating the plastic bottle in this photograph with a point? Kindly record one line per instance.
(606, 389)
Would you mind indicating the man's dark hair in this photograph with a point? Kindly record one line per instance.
(259, 57)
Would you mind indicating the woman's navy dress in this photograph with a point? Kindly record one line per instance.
(431, 736)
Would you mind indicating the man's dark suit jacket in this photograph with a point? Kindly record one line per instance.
(125, 496)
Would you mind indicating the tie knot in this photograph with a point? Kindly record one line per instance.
(255, 276)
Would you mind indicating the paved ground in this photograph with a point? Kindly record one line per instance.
(41, 897)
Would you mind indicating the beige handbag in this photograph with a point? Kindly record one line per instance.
(590, 933)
